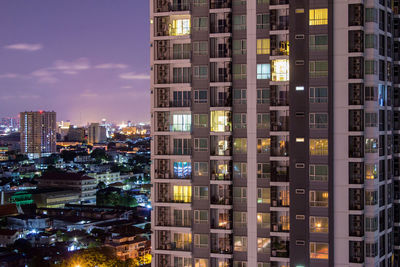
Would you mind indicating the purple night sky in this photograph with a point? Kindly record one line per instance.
(84, 59)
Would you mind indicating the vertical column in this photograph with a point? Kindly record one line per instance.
(251, 134)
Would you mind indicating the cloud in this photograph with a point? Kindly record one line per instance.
(72, 67)
(24, 47)
(88, 93)
(9, 76)
(44, 76)
(134, 76)
(111, 66)
(126, 87)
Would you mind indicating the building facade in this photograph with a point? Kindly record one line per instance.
(96, 133)
(268, 156)
(38, 133)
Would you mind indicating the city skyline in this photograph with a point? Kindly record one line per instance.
(82, 60)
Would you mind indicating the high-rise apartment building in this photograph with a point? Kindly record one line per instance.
(38, 133)
(97, 133)
(268, 156)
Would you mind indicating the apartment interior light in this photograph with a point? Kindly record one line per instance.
(299, 88)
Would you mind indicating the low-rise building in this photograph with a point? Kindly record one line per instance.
(85, 185)
(129, 246)
(108, 177)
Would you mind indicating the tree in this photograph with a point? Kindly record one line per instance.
(101, 185)
(99, 257)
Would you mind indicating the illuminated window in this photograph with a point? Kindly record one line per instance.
(263, 71)
(220, 121)
(263, 145)
(200, 192)
(371, 145)
(182, 193)
(319, 16)
(280, 70)
(240, 263)
(182, 241)
(239, 145)
(201, 168)
(180, 27)
(263, 170)
(240, 243)
(318, 147)
(240, 170)
(299, 140)
(263, 195)
(319, 224)
(263, 220)
(371, 197)
(201, 241)
(263, 245)
(319, 250)
(319, 199)
(201, 263)
(182, 169)
(263, 46)
(371, 171)
(318, 173)
(201, 216)
(200, 120)
(181, 123)
(239, 71)
(239, 219)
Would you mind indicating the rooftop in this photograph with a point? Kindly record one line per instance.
(64, 176)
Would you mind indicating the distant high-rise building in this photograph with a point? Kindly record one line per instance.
(38, 133)
(97, 133)
(76, 134)
(268, 156)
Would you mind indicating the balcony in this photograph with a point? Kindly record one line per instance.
(278, 2)
(279, 19)
(221, 97)
(221, 195)
(221, 219)
(220, 72)
(214, 4)
(221, 145)
(221, 243)
(220, 23)
(279, 173)
(279, 248)
(167, 216)
(280, 196)
(279, 146)
(279, 123)
(169, 6)
(280, 221)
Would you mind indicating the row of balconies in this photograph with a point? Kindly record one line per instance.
(185, 5)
